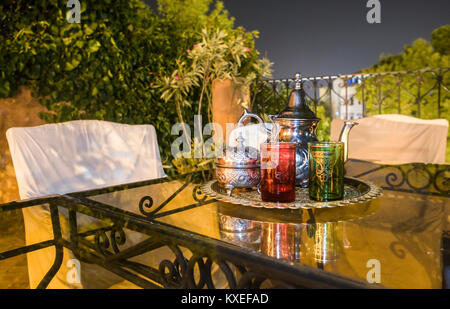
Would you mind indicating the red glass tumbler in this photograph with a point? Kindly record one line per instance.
(278, 172)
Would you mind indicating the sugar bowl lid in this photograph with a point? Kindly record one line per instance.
(240, 156)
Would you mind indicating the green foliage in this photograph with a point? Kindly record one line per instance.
(219, 55)
(106, 67)
(440, 40)
(418, 94)
(323, 129)
(266, 103)
(419, 55)
(101, 68)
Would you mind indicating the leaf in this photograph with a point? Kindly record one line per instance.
(79, 44)
(67, 41)
(88, 30)
(114, 43)
(69, 66)
(93, 46)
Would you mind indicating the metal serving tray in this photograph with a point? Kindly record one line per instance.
(355, 191)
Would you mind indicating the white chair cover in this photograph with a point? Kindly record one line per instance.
(396, 139)
(75, 156)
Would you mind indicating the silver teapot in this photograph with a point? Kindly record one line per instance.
(297, 123)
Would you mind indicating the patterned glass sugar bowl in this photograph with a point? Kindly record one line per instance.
(238, 167)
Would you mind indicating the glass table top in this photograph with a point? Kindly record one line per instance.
(397, 239)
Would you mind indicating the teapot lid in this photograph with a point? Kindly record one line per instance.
(297, 107)
(240, 156)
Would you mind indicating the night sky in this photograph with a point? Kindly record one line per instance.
(331, 36)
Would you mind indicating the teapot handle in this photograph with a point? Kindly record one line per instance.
(251, 115)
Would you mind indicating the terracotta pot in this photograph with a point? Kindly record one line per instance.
(225, 104)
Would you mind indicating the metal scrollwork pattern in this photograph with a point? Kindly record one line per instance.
(145, 205)
(419, 178)
(204, 270)
(396, 248)
(441, 182)
(116, 239)
(198, 194)
(393, 180)
(198, 273)
(102, 242)
(149, 210)
(171, 272)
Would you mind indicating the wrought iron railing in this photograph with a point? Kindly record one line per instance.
(421, 93)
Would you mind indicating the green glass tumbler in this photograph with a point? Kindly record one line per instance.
(326, 171)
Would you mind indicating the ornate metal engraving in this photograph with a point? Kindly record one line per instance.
(353, 195)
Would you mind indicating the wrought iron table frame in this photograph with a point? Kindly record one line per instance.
(254, 268)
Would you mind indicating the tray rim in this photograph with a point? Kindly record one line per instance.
(374, 191)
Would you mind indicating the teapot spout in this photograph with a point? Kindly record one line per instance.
(348, 125)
